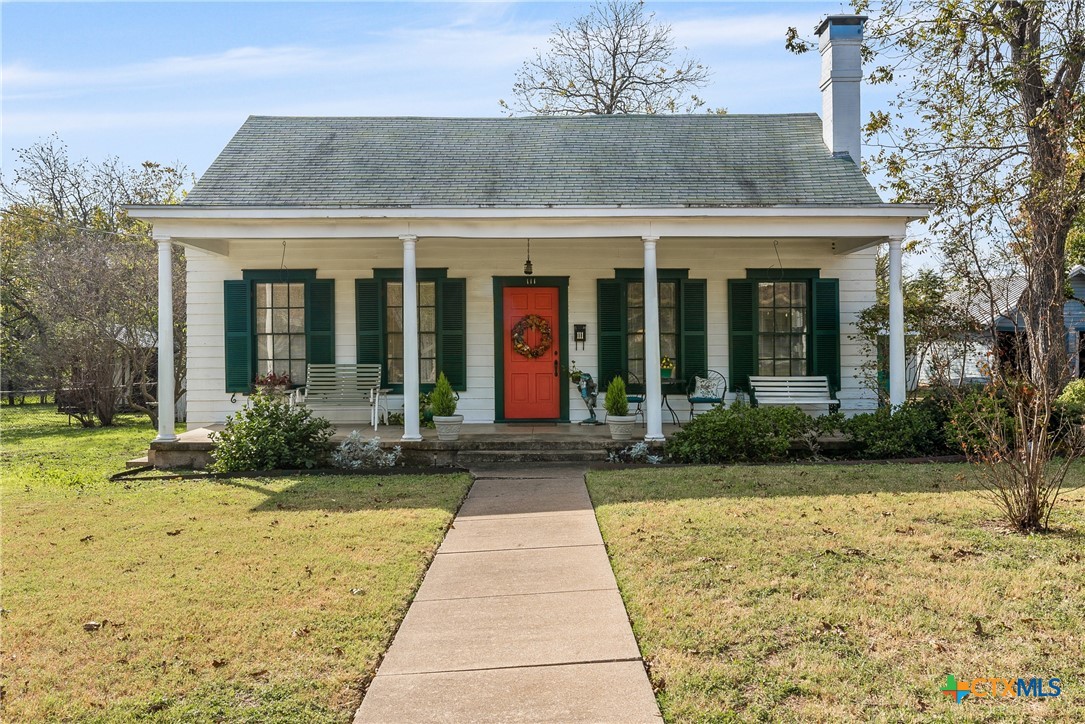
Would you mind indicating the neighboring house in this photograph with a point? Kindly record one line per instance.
(1001, 336)
(760, 229)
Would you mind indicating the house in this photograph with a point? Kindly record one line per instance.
(1000, 330)
(739, 243)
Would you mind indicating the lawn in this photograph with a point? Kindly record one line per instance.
(836, 593)
(230, 600)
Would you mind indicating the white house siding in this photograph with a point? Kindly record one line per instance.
(479, 261)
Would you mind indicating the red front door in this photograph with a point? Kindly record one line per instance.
(532, 383)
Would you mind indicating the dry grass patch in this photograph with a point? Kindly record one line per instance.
(834, 593)
(242, 600)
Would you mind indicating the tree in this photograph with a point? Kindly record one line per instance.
(79, 279)
(613, 59)
(987, 127)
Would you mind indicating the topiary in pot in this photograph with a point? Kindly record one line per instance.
(616, 404)
(443, 402)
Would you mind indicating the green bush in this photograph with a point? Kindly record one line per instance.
(616, 402)
(739, 433)
(912, 430)
(972, 419)
(1073, 394)
(443, 400)
(267, 434)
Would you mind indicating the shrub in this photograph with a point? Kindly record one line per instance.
(358, 453)
(443, 400)
(616, 402)
(911, 430)
(268, 433)
(972, 420)
(1073, 394)
(739, 433)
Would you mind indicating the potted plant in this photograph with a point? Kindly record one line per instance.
(616, 404)
(273, 384)
(666, 367)
(443, 402)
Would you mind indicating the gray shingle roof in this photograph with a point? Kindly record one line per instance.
(680, 160)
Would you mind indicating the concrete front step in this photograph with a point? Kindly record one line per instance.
(559, 455)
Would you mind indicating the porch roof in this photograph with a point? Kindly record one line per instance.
(675, 161)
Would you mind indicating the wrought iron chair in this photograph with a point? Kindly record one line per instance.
(707, 390)
(634, 394)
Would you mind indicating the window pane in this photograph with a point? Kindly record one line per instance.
(297, 372)
(427, 319)
(395, 345)
(280, 295)
(297, 295)
(395, 371)
(263, 321)
(263, 296)
(427, 294)
(280, 345)
(394, 291)
(798, 346)
(395, 319)
(798, 367)
(636, 319)
(635, 294)
(765, 321)
(427, 345)
(297, 346)
(668, 346)
(297, 320)
(667, 294)
(668, 320)
(765, 346)
(280, 321)
(783, 320)
(783, 368)
(765, 367)
(783, 347)
(764, 294)
(798, 320)
(427, 370)
(636, 369)
(798, 294)
(783, 295)
(635, 348)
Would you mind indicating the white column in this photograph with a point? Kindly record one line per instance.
(653, 398)
(410, 341)
(897, 372)
(166, 415)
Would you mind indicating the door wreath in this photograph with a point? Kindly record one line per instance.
(540, 325)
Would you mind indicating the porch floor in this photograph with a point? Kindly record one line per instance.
(479, 442)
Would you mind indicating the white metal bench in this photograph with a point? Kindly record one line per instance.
(792, 391)
(342, 393)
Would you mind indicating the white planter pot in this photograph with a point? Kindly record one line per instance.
(621, 426)
(448, 427)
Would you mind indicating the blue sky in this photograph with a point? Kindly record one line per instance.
(172, 81)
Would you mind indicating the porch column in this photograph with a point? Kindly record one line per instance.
(897, 372)
(410, 341)
(653, 398)
(166, 412)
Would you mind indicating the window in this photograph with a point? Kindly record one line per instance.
(280, 329)
(783, 326)
(277, 321)
(668, 324)
(427, 331)
(783, 322)
(683, 315)
(442, 326)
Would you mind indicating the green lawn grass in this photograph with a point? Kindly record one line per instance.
(219, 600)
(837, 593)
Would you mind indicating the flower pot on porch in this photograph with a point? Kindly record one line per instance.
(621, 426)
(448, 427)
(665, 373)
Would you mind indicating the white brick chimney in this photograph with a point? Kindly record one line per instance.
(840, 40)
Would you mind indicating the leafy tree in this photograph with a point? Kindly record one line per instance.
(613, 59)
(988, 128)
(79, 281)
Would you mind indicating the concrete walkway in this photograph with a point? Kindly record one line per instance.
(519, 617)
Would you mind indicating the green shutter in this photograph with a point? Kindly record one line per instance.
(320, 321)
(742, 308)
(693, 353)
(368, 322)
(452, 331)
(237, 306)
(612, 323)
(825, 332)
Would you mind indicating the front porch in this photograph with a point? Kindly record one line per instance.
(494, 442)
